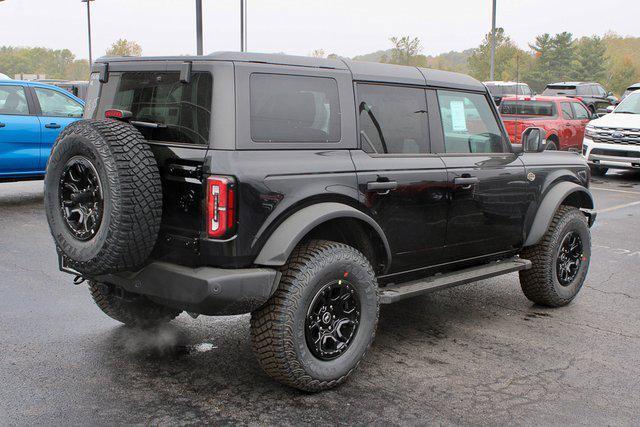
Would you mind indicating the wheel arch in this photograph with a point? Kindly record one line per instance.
(563, 193)
(330, 221)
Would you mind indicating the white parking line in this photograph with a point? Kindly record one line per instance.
(615, 190)
(615, 208)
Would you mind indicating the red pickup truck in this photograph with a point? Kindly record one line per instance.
(563, 119)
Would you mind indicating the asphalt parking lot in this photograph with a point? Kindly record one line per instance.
(477, 354)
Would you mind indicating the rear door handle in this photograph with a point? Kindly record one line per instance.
(382, 187)
(52, 126)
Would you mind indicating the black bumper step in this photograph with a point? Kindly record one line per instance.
(394, 293)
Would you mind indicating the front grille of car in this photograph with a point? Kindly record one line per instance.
(610, 135)
(615, 153)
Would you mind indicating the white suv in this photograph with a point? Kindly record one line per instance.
(613, 140)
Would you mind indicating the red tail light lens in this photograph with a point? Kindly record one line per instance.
(221, 214)
(118, 114)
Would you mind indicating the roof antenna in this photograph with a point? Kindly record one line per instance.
(515, 131)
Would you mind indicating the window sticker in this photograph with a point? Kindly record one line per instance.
(458, 117)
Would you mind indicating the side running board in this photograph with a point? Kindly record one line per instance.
(394, 293)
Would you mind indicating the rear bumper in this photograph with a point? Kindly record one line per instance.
(203, 290)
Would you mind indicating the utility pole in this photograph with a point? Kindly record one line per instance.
(243, 25)
(88, 2)
(493, 41)
(199, 27)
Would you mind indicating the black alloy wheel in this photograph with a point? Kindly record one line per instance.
(332, 320)
(569, 258)
(81, 198)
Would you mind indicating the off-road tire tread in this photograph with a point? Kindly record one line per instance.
(272, 324)
(537, 282)
(140, 312)
(134, 178)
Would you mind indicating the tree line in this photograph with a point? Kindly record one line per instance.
(611, 60)
(56, 63)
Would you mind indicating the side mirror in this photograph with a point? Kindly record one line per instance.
(610, 109)
(532, 141)
(609, 93)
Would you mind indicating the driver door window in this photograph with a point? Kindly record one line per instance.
(469, 124)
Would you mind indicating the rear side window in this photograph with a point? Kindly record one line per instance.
(286, 108)
(393, 119)
(171, 111)
(469, 124)
(13, 100)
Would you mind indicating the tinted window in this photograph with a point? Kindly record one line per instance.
(553, 90)
(393, 119)
(182, 110)
(502, 89)
(567, 112)
(527, 108)
(55, 104)
(581, 113)
(13, 100)
(469, 124)
(600, 91)
(294, 109)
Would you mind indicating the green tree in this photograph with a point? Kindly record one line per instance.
(56, 64)
(509, 59)
(405, 51)
(554, 58)
(124, 47)
(318, 53)
(590, 62)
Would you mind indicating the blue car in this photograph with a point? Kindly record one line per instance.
(31, 117)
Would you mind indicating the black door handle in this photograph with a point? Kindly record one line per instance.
(52, 126)
(2, 125)
(382, 187)
(466, 181)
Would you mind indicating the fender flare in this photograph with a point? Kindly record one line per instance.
(550, 204)
(284, 239)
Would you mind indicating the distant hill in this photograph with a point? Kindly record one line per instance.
(451, 61)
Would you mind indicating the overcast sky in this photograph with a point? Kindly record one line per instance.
(344, 27)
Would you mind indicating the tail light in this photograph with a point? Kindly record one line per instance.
(221, 213)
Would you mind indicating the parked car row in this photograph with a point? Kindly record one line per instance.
(31, 117)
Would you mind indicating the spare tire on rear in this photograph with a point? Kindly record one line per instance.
(103, 197)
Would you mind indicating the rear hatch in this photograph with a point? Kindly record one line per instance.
(175, 118)
(521, 114)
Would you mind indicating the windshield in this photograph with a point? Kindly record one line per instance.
(181, 111)
(500, 90)
(629, 105)
(527, 108)
(559, 90)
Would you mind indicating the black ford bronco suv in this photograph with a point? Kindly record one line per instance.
(306, 192)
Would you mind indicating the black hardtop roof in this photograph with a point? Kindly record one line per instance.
(362, 71)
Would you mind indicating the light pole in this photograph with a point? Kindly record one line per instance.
(493, 41)
(243, 25)
(88, 2)
(199, 26)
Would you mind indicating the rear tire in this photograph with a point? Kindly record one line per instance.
(287, 332)
(556, 277)
(130, 309)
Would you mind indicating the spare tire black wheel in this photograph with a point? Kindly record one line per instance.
(103, 197)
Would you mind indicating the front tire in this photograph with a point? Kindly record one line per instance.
(317, 327)
(560, 260)
(131, 309)
(598, 170)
